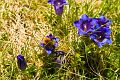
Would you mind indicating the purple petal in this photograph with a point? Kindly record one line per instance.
(84, 17)
(108, 23)
(58, 9)
(104, 41)
(42, 44)
(106, 30)
(94, 24)
(102, 18)
(77, 23)
(50, 36)
(64, 2)
(89, 30)
(98, 43)
(51, 1)
(56, 39)
(56, 44)
(81, 32)
(109, 41)
(92, 36)
(49, 51)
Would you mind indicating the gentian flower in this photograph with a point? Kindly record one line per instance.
(96, 28)
(58, 5)
(101, 33)
(83, 24)
(21, 62)
(49, 43)
(101, 36)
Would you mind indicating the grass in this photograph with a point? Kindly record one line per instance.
(24, 24)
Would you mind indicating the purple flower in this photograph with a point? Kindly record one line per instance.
(21, 62)
(49, 43)
(101, 33)
(83, 24)
(58, 5)
(96, 28)
(101, 36)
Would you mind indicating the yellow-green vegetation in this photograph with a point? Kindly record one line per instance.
(24, 24)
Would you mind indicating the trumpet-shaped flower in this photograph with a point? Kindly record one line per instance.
(101, 36)
(83, 24)
(96, 28)
(49, 43)
(21, 62)
(103, 21)
(58, 5)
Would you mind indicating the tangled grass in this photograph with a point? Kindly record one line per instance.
(24, 24)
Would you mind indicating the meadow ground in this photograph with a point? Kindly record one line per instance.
(24, 24)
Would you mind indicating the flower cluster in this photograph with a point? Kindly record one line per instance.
(49, 43)
(96, 28)
(58, 5)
